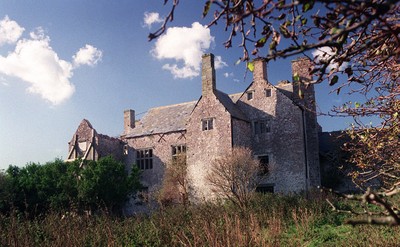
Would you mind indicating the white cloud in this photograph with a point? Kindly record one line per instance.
(34, 61)
(88, 55)
(325, 53)
(150, 18)
(10, 31)
(226, 74)
(219, 63)
(184, 45)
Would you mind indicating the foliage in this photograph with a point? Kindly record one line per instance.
(364, 33)
(35, 188)
(106, 183)
(175, 187)
(235, 176)
(58, 186)
(271, 220)
(376, 149)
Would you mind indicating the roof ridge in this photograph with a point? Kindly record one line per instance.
(173, 105)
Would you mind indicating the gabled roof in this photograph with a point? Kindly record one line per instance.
(231, 107)
(173, 118)
(163, 119)
(235, 97)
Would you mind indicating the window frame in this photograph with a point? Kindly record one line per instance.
(268, 92)
(250, 95)
(264, 166)
(261, 126)
(178, 151)
(265, 188)
(144, 158)
(207, 124)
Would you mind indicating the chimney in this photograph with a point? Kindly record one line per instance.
(301, 67)
(303, 89)
(208, 75)
(129, 120)
(260, 70)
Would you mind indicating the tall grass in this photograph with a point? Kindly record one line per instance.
(270, 220)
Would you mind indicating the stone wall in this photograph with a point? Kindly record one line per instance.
(161, 144)
(301, 67)
(284, 143)
(241, 133)
(204, 146)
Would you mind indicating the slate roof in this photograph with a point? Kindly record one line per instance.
(172, 118)
(231, 107)
(235, 97)
(163, 119)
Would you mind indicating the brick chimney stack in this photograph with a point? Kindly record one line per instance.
(129, 120)
(260, 69)
(208, 75)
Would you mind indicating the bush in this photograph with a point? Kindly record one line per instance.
(58, 186)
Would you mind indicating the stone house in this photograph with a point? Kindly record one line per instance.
(277, 122)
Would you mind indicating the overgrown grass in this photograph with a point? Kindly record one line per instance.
(270, 220)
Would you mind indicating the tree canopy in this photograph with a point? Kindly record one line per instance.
(60, 186)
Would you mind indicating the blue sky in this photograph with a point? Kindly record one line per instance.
(62, 61)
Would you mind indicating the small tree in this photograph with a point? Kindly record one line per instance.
(175, 187)
(235, 176)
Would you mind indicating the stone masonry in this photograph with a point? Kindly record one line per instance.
(276, 121)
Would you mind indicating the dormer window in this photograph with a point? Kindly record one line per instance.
(207, 124)
(250, 95)
(268, 92)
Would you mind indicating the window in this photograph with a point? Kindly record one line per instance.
(264, 164)
(265, 188)
(178, 151)
(262, 126)
(207, 124)
(126, 149)
(268, 92)
(144, 159)
(250, 95)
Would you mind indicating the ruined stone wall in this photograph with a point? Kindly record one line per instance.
(162, 155)
(109, 146)
(80, 143)
(204, 146)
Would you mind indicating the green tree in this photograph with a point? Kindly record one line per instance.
(106, 183)
(59, 186)
(35, 188)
